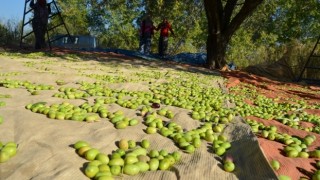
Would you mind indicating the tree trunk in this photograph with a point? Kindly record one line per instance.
(216, 41)
(216, 51)
(222, 24)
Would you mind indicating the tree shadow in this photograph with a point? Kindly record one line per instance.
(282, 152)
(114, 57)
(305, 172)
(304, 95)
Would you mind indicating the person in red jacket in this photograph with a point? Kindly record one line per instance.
(147, 31)
(164, 28)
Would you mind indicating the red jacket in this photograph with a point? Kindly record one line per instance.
(165, 27)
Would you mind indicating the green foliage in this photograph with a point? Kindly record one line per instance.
(245, 50)
(120, 30)
(296, 20)
(74, 13)
(9, 32)
(115, 22)
(277, 30)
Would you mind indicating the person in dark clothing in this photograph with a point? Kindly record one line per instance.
(164, 28)
(147, 31)
(41, 13)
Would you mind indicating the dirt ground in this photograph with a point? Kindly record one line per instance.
(292, 167)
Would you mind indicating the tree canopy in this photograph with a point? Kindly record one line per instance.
(115, 22)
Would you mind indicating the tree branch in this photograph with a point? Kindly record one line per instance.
(228, 9)
(248, 8)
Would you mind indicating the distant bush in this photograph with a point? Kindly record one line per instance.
(10, 32)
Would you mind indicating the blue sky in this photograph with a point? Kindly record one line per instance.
(11, 9)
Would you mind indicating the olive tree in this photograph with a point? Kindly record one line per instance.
(224, 19)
